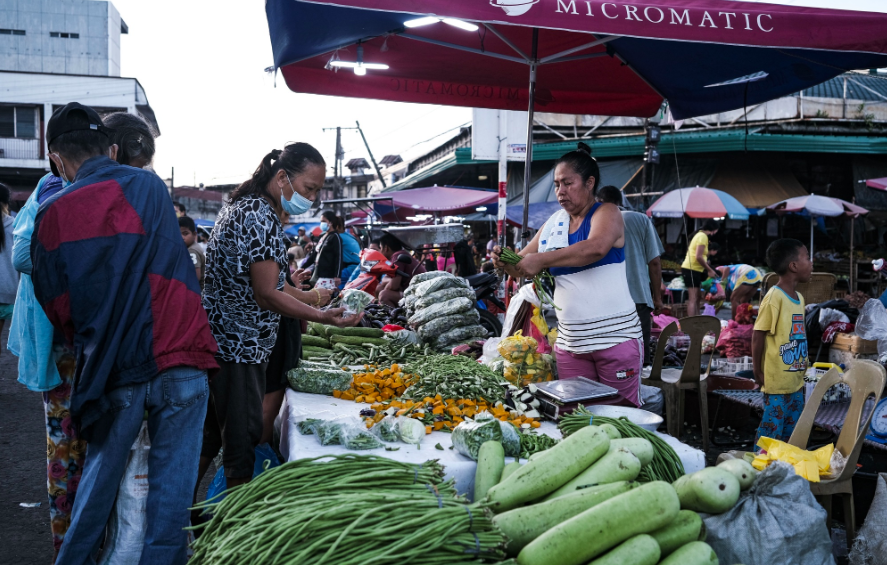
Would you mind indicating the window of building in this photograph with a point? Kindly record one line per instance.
(64, 35)
(18, 121)
(361, 191)
(12, 32)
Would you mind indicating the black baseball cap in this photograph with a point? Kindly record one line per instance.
(61, 123)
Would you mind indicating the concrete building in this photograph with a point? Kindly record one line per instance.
(53, 52)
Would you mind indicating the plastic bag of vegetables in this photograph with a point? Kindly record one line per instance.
(315, 379)
(328, 431)
(469, 435)
(535, 368)
(355, 435)
(515, 348)
(510, 439)
(354, 301)
(443, 296)
(458, 335)
(448, 308)
(410, 430)
(439, 283)
(433, 329)
(386, 429)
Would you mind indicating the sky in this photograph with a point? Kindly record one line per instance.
(202, 66)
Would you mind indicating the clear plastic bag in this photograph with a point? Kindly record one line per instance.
(328, 432)
(510, 439)
(448, 308)
(458, 335)
(470, 434)
(491, 351)
(354, 301)
(386, 429)
(355, 435)
(403, 337)
(872, 325)
(434, 328)
(443, 296)
(439, 283)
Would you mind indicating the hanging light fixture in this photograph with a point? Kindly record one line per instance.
(359, 66)
(428, 20)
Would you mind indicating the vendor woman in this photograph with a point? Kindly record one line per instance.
(582, 246)
(742, 282)
(695, 265)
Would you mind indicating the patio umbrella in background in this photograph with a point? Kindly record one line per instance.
(568, 56)
(698, 202)
(820, 206)
(877, 184)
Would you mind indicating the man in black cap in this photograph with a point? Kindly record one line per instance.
(111, 274)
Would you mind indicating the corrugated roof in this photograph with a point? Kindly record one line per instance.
(859, 87)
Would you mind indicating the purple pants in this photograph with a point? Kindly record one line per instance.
(618, 367)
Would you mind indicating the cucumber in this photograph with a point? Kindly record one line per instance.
(611, 430)
(523, 525)
(618, 465)
(353, 332)
(742, 470)
(315, 341)
(694, 553)
(546, 474)
(319, 329)
(639, 550)
(640, 447)
(509, 469)
(685, 528)
(582, 538)
(315, 350)
(712, 490)
(490, 462)
(357, 340)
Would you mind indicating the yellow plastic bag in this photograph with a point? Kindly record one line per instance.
(523, 365)
(539, 322)
(808, 464)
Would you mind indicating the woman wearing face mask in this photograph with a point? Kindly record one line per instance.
(46, 362)
(245, 293)
(329, 255)
(599, 333)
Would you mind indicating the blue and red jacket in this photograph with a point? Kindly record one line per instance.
(111, 272)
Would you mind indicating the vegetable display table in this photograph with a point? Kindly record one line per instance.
(298, 406)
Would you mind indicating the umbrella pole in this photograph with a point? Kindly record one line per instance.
(529, 158)
(503, 176)
(852, 258)
(812, 220)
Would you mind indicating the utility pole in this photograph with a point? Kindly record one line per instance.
(373, 159)
(651, 155)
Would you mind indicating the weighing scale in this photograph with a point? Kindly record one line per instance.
(878, 428)
(562, 397)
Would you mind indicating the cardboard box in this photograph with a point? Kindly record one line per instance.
(854, 344)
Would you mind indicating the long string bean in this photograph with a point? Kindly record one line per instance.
(509, 257)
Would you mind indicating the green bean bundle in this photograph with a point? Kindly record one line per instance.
(348, 510)
(381, 355)
(509, 257)
(666, 465)
(534, 443)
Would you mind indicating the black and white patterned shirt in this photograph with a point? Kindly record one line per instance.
(246, 232)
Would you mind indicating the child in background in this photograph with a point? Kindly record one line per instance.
(779, 342)
(189, 236)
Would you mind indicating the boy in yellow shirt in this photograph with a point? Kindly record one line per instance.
(779, 342)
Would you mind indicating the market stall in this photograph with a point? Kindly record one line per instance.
(301, 406)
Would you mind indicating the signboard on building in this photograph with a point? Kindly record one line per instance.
(485, 128)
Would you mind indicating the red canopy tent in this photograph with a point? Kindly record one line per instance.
(586, 56)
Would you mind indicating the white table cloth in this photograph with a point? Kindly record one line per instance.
(298, 406)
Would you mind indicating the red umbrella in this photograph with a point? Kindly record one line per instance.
(586, 56)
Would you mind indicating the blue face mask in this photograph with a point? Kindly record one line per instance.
(324, 227)
(296, 205)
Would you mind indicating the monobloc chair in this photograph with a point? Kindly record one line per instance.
(674, 381)
(866, 379)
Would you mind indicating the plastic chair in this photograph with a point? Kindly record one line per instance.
(674, 381)
(865, 378)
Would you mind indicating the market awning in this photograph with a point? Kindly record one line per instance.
(755, 180)
(440, 199)
(619, 58)
(539, 214)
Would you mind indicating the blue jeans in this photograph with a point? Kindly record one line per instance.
(176, 402)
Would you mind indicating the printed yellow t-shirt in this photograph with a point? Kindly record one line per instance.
(690, 261)
(785, 348)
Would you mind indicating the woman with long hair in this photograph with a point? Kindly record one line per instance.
(245, 293)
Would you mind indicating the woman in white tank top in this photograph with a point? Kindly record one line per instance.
(599, 333)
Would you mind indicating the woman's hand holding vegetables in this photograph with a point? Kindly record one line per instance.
(335, 317)
(531, 265)
(501, 266)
